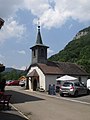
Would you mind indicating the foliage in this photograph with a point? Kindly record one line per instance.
(76, 51)
(13, 74)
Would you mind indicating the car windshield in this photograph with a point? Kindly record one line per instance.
(67, 84)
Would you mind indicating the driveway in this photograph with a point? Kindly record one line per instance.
(39, 106)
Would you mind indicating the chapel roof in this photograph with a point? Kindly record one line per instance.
(33, 73)
(61, 68)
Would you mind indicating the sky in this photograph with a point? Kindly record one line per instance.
(60, 21)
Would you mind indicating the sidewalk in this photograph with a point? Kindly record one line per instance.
(12, 114)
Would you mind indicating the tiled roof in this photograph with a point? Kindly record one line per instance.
(33, 73)
(60, 68)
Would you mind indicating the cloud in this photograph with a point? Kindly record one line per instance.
(22, 52)
(1, 56)
(10, 7)
(55, 13)
(52, 13)
(12, 29)
(19, 68)
(70, 26)
(23, 68)
(50, 52)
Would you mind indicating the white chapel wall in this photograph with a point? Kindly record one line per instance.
(41, 78)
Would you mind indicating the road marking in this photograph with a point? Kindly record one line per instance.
(72, 100)
(20, 112)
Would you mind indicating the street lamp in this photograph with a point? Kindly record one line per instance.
(1, 22)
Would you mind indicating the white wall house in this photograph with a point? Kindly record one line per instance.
(42, 75)
(42, 72)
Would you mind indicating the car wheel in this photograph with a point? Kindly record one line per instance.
(76, 93)
(22, 85)
(61, 94)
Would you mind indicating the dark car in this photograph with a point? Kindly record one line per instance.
(73, 88)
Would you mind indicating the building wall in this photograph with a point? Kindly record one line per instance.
(83, 79)
(41, 83)
(50, 79)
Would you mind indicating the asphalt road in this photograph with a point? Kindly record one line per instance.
(40, 106)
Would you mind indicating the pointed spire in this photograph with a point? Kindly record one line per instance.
(39, 38)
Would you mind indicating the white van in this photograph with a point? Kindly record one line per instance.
(88, 84)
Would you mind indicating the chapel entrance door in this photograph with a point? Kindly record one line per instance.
(34, 85)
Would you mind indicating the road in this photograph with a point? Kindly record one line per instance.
(40, 106)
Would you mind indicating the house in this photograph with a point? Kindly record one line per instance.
(22, 78)
(42, 73)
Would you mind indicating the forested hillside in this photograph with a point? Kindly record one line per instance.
(76, 51)
(12, 74)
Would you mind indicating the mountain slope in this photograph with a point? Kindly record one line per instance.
(11, 69)
(76, 51)
(12, 74)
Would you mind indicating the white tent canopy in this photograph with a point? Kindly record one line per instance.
(66, 78)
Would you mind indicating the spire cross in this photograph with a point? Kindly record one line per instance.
(38, 24)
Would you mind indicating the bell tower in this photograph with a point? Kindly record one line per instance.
(39, 50)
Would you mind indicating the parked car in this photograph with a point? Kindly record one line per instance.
(12, 82)
(22, 83)
(73, 88)
(8, 82)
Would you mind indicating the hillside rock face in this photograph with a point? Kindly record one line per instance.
(76, 51)
(80, 34)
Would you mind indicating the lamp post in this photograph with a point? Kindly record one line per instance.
(1, 22)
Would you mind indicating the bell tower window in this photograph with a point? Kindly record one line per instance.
(42, 52)
(34, 53)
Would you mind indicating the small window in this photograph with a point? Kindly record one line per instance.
(42, 52)
(34, 53)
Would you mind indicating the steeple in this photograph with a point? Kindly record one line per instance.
(39, 38)
(39, 50)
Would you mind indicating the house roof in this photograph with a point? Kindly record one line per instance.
(61, 68)
(22, 78)
(33, 73)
